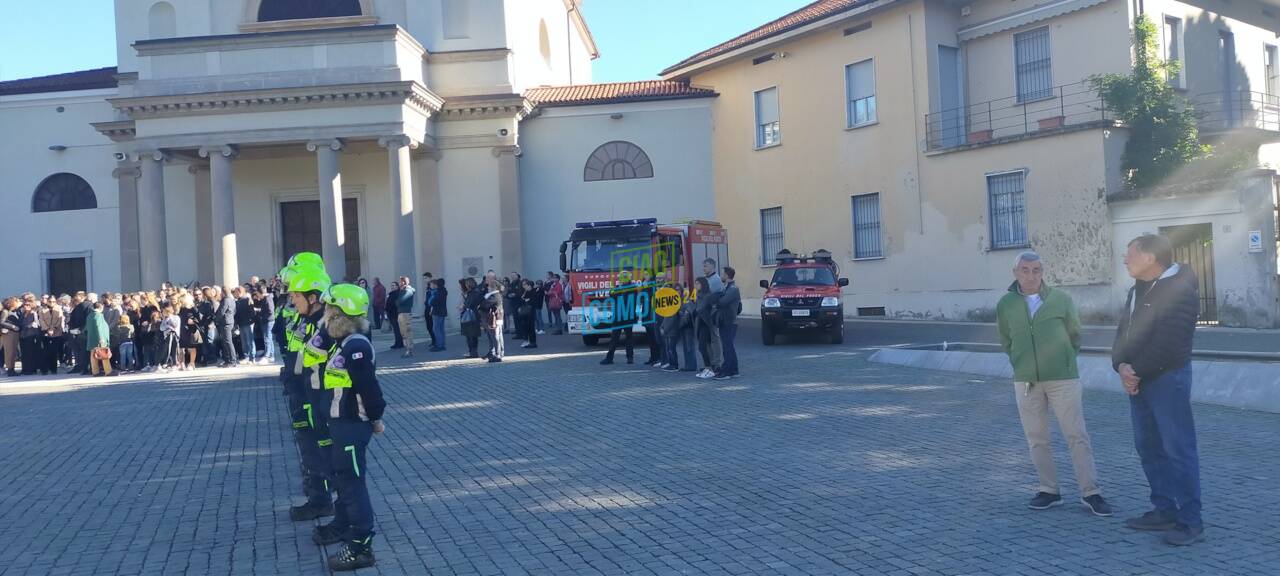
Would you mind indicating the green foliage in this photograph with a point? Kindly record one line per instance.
(1162, 125)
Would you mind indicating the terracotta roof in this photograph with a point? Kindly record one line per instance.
(615, 93)
(802, 17)
(82, 80)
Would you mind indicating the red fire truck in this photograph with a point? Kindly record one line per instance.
(596, 253)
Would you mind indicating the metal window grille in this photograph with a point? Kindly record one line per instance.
(768, 127)
(1035, 78)
(866, 226)
(1007, 198)
(770, 235)
(860, 85)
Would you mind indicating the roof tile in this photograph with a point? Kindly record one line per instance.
(614, 93)
(82, 80)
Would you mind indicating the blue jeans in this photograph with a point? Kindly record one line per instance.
(1164, 433)
(437, 326)
(247, 345)
(268, 341)
(127, 358)
(727, 334)
(689, 341)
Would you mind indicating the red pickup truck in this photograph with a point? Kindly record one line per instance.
(803, 296)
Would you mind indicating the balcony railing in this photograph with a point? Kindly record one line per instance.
(1234, 110)
(1067, 105)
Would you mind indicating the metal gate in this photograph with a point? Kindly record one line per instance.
(1193, 246)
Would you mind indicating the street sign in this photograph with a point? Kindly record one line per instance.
(1255, 241)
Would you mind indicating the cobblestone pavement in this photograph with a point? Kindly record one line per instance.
(813, 462)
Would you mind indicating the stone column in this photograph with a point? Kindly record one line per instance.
(509, 208)
(222, 215)
(428, 224)
(402, 215)
(127, 174)
(204, 223)
(153, 242)
(332, 231)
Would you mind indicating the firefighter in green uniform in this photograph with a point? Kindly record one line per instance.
(306, 284)
(354, 415)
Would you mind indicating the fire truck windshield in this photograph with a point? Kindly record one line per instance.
(604, 255)
(817, 276)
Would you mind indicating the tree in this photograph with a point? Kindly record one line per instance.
(1162, 125)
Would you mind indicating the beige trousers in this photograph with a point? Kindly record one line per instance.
(1065, 398)
(406, 330)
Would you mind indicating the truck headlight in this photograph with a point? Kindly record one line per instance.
(772, 303)
(830, 301)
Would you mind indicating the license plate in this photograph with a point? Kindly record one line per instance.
(799, 312)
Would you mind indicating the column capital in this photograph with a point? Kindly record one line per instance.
(499, 151)
(227, 150)
(397, 141)
(334, 144)
(132, 172)
(157, 155)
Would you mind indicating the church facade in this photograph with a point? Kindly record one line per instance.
(393, 136)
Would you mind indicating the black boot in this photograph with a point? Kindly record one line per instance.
(327, 534)
(310, 511)
(354, 555)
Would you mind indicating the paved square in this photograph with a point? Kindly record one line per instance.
(813, 462)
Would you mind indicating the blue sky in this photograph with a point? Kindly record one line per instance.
(637, 38)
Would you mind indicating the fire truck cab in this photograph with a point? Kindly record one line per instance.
(803, 296)
(597, 253)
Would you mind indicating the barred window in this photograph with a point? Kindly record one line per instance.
(1007, 198)
(771, 241)
(866, 226)
(63, 191)
(1035, 74)
(617, 160)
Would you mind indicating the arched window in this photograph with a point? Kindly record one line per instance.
(63, 191)
(617, 160)
(275, 10)
(544, 42)
(163, 21)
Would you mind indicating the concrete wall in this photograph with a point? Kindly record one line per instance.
(676, 136)
(32, 123)
(1246, 282)
(559, 61)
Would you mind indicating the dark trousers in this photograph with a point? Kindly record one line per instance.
(525, 328)
(395, 330)
(655, 343)
(225, 344)
(315, 458)
(81, 353)
(50, 351)
(354, 512)
(32, 354)
(621, 334)
(248, 347)
(1164, 433)
(431, 328)
(728, 332)
(377, 318)
(688, 341)
(471, 331)
(438, 332)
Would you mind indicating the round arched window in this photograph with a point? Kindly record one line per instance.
(63, 191)
(617, 160)
(544, 42)
(274, 10)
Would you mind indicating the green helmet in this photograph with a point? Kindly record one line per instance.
(306, 259)
(307, 279)
(352, 299)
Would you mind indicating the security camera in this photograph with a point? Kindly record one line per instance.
(502, 132)
(119, 156)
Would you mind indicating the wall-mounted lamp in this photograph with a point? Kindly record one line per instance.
(57, 147)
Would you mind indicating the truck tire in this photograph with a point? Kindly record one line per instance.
(590, 339)
(767, 335)
(837, 334)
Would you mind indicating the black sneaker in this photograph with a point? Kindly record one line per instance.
(606, 362)
(1152, 521)
(327, 534)
(309, 511)
(1183, 535)
(671, 368)
(1097, 505)
(1044, 501)
(354, 555)
(721, 376)
(494, 359)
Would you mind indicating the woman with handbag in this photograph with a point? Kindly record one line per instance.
(98, 341)
(469, 315)
(528, 313)
(191, 336)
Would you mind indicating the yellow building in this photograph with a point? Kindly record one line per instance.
(927, 142)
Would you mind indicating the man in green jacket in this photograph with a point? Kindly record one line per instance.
(1040, 331)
